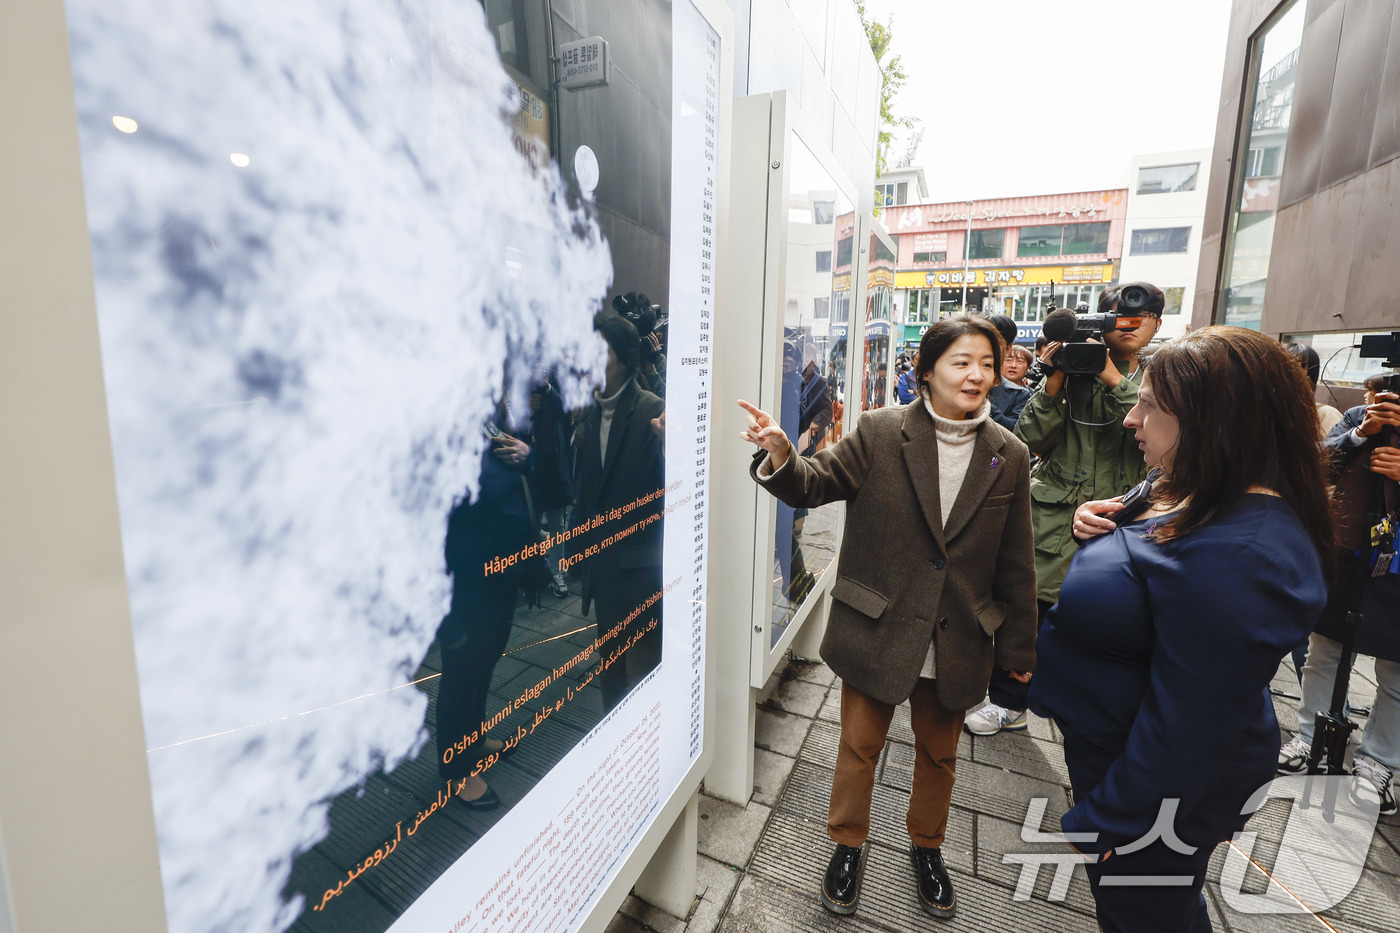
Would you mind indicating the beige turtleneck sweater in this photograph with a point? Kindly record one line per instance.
(607, 407)
(954, 456)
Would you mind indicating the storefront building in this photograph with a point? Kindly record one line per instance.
(1166, 203)
(1012, 256)
(1300, 225)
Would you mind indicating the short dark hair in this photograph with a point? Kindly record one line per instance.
(941, 335)
(1246, 418)
(1307, 358)
(1155, 304)
(1376, 382)
(1005, 326)
(622, 337)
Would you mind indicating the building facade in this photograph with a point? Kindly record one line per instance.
(1301, 224)
(1012, 256)
(1166, 206)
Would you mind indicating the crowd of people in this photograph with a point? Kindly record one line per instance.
(1129, 553)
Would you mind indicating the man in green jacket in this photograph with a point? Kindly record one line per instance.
(1075, 425)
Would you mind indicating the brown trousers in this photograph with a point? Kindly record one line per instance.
(864, 725)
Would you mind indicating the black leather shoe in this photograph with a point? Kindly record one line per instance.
(935, 887)
(841, 886)
(487, 801)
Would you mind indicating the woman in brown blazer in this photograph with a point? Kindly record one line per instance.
(936, 584)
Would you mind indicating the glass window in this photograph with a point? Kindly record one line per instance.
(1160, 240)
(950, 302)
(986, 244)
(902, 194)
(941, 256)
(1342, 362)
(1265, 162)
(1086, 238)
(507, 21)
(1039, 241)
(802, 547)
(1161, 179)
(841, 308)
(1250, 235)
(882, 252)
(1174, 296)
(922, 302)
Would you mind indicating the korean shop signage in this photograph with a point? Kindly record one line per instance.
(584, 63)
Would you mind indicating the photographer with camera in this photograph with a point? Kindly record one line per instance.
(651, 327)
(1365, 449)
(1074, 422)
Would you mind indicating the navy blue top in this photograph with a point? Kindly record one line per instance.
(1161, 655)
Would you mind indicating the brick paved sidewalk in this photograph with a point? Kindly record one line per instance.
(760, 865)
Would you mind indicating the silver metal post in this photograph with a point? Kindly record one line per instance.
(967, 255)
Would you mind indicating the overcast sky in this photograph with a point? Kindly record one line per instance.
(1021, 97)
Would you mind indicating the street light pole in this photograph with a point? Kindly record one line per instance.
(967, 254)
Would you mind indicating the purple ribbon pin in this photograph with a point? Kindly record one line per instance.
(996, 461)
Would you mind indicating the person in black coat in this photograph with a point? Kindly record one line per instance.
(473, 635)
(1007, 397)
(622, 457)
(1361, 451)
(551, 481)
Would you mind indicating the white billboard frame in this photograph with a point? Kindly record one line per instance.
(76, 819)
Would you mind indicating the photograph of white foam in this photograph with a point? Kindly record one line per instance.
(319, 257)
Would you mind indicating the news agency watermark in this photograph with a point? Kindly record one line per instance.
(1321, 855)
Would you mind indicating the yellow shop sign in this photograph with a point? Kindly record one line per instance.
(1024, 275)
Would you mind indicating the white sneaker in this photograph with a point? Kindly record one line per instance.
(991, 719)
(1293, 757)
(1375, 782)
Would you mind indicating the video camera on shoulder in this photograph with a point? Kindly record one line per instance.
(645, 316)
(1079, 357)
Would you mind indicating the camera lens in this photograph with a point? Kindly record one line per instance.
(1133, 297)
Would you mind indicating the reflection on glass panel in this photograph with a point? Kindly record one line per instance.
(1340, 354)
(883, 255)
(1039, 241)
(881, 344)
(1174, 295)
(1161, 179)
(392, 494)
(813, 369)
(986, 244)
(1250, 236)
(506, 18)
(1086, 238)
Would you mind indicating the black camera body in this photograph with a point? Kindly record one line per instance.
(1385, 347)
(1079, 357)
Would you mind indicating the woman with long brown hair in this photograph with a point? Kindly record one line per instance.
(1156, 661)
